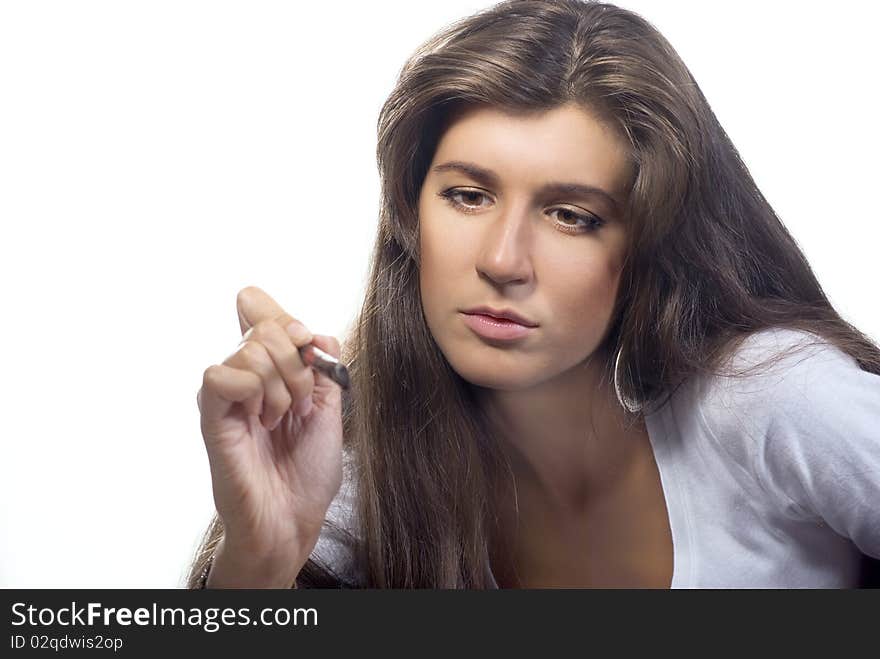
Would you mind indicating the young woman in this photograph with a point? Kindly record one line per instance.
(671, 400)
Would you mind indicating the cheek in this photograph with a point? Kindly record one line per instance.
(428, 253)
(585, 300)
(439, 267)
(445, 252)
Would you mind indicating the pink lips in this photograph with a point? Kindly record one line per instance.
(495, 328)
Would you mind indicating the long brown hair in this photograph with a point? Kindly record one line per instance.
(708, 263)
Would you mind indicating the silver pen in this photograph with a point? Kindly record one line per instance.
(326, 363)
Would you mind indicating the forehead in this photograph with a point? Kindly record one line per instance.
(566, 143)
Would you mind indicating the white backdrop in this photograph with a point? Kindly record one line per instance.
(156, 157)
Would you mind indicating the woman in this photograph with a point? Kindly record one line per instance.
(676, 405)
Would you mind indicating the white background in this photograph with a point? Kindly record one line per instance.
(156, 157)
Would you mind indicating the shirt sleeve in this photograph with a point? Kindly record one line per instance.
(808, 429)
(337, 545)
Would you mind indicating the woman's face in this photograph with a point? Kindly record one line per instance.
(512, 238)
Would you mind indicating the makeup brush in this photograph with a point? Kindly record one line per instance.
(326, 363)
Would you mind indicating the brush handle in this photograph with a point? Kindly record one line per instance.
(313, 356)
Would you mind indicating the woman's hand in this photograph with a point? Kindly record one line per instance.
(272, 427)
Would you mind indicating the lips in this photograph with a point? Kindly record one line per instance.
(501, 315)
(495, 329)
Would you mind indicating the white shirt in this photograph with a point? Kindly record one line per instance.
(771, 480)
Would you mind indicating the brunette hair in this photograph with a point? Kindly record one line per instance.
(708, 263)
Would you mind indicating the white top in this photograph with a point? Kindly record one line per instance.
(771, 480)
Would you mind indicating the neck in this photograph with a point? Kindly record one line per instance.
(567, 439)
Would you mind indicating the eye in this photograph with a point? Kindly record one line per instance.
(569, 221)
(588, 221)
(470, 195)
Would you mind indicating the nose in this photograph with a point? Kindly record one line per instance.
(505, 248)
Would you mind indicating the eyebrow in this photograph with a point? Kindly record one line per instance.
(489, 178)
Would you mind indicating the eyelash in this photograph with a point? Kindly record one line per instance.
(448, 196)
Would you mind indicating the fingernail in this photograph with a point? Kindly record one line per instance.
(298, 332)
(304, 406)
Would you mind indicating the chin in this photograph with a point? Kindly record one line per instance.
(496, 377)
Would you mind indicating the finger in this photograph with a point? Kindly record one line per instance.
(255, 355)
(298, 377)
(253, 305)
(222, 387)
(252, 356)
(329, 344)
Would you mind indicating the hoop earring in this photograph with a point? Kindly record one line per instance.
(630, 406)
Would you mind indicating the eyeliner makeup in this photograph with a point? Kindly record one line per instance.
(326, 363)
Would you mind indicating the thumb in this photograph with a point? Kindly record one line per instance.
(325, 386)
